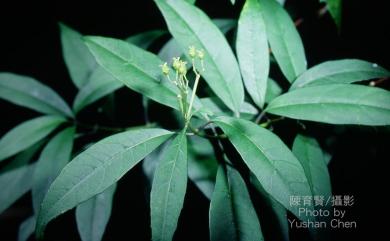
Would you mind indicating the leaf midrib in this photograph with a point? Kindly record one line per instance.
(284, 43)
(51, 106)
(169, 185)
(96, 169)
(328, 103)
(309, 81)
(261, 149)
(226, 87)
(131, 64)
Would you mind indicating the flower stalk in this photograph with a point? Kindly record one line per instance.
(181, 81)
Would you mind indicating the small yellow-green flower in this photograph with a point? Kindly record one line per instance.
(176, 63)
(183, 68)
(192, 52)
(165, 68)
(200, 54)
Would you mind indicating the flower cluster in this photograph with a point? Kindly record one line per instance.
(181, 81)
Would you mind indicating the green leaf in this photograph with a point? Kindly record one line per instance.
(284, 39)
(23, 158)
(26, 229)
(100, 84)
(340, 72)
(252, 51)
(273, 90)
(215, 106)
(136, 68)
(310, 155)
(14, 184)
(168, 189)
(335, 104)
(172, 48)
(190, 1)
(202, 172)
(202, 165)
(93, 215)
(150, 162)
(335, 9)
(78, 59)
(95, 169)
(145, 39)
(233, 1)
(191, 27)
(225, 24)
(27, 134)
(53, 158)
(278, 211)
(327, 157)
(273, 164)
(232, 215)
(27, 92)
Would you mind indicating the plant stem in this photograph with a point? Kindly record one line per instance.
(204, 135)
(188, 115)
(268, 122)
(259, 117)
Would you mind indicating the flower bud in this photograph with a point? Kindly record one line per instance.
(192, 52)
(165, 68)
(200, 54)
(183, 68)
(176, 63)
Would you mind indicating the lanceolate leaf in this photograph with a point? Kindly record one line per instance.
(26, 229)
(232, 215)
(202, 171)
(284, 39)
(27, 134)
(14, 184)
(100, 84)
(190, 26)
(96, 169)
(78, 59)
(310, 155)
(252, 50)
(340, 72)
(278, 211)
(273, 164)
(335, 104)
(225, 24)
(172, 48)
(23, 158)
(168, 189)
(150, 162)
(335, 9)
(145, 39)
(215, 106)
(54, 157)
(92, 215)
(273, 90)
(27, 92)
(136, 68)
(202, 165)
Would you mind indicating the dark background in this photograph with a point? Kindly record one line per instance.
(30, 45)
